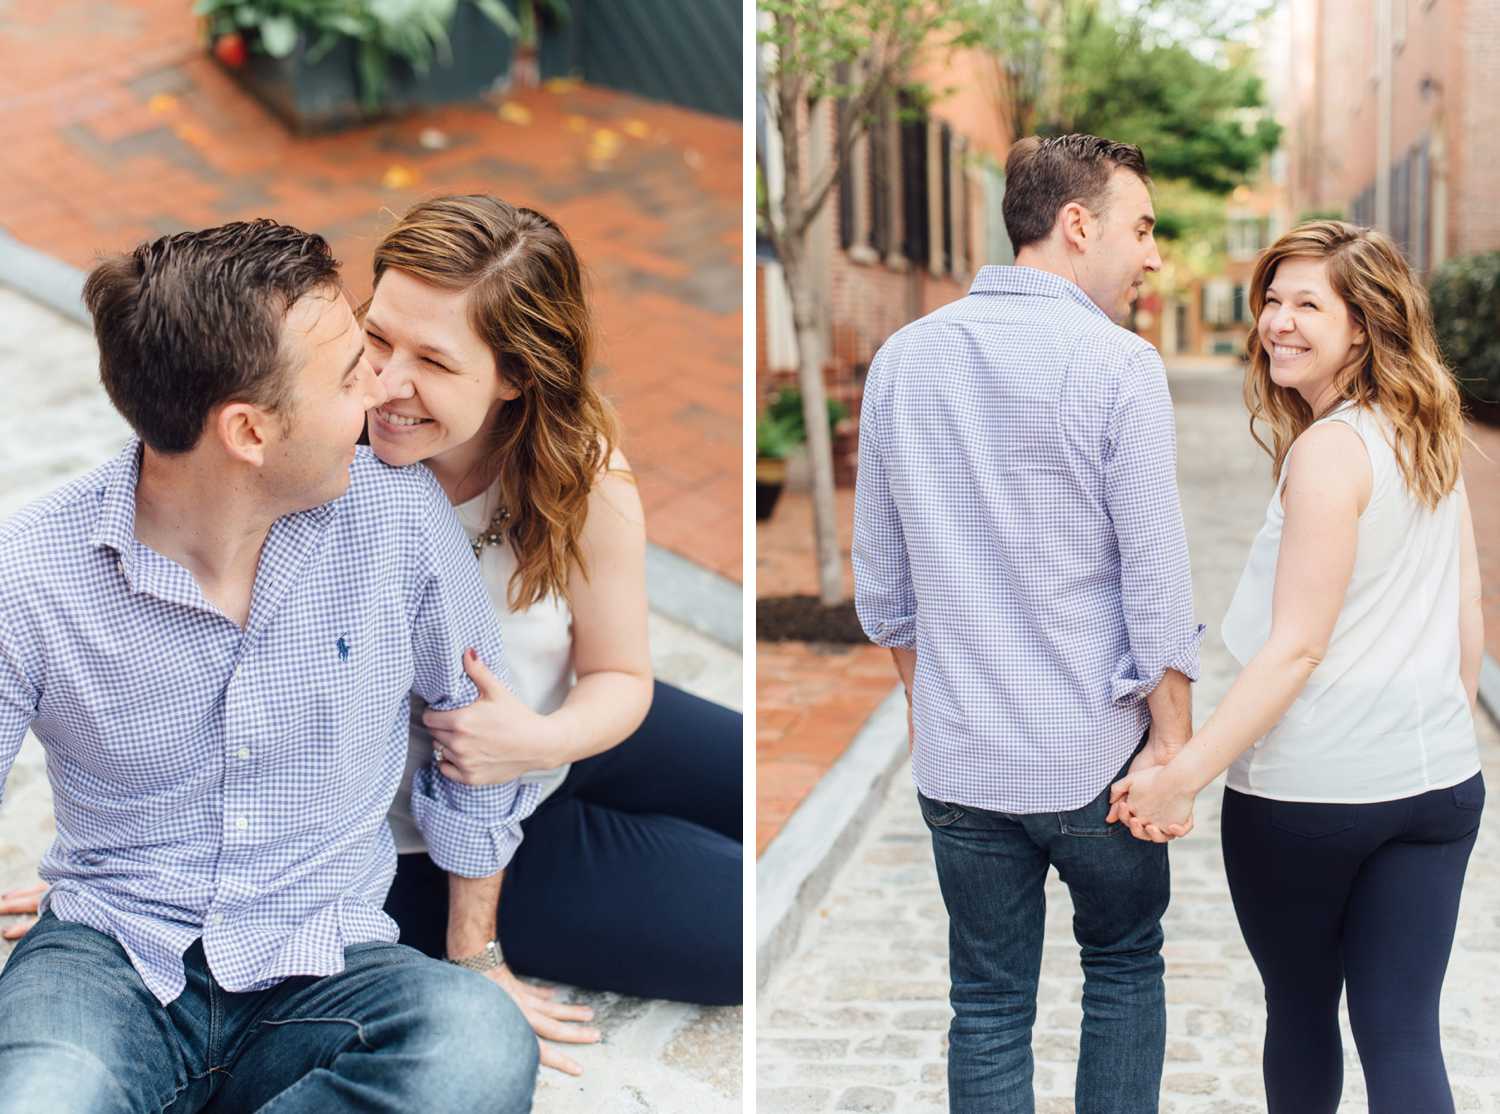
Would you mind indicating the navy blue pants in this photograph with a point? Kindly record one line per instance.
(1363, 896)
(628, 877)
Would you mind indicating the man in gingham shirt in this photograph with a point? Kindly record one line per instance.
(214, 637)
(1018, 544)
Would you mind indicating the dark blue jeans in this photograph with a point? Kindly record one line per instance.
(395, 1032)
(1363, 896)
(992, 867)
(629, 876)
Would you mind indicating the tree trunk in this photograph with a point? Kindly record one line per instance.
(805, 320)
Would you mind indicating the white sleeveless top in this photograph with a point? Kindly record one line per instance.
(538, 648)
(1385, 715)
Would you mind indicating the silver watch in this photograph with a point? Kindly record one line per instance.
(486, 960)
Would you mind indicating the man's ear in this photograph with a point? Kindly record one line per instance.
(1077, 225)
(244, 430)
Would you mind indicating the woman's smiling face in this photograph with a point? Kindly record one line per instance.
(1306, 329)
(444, 388)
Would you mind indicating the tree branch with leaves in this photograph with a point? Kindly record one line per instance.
(815, 52)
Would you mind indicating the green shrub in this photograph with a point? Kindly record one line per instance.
(1466, 309)
(774, 438)
(786, 408)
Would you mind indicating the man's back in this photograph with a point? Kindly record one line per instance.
(1017, 523)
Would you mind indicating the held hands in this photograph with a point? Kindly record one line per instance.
(556, 1021)
(497, 738)
(1148, 799)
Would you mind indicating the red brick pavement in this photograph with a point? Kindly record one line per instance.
(810, 700)
(1482, 482)
(116, 127)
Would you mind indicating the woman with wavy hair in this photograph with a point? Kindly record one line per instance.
(628, 878)
(1353, 795)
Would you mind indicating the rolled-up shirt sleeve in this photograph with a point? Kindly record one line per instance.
(1140, 491)
(471, 830)
(884, 596)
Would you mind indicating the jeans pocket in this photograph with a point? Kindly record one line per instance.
(1311, 819)
(1089, 820)
(1469, 794)
(938, 814)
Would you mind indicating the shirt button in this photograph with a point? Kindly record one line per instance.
(243, 752)
(217, 918)
(242, 823)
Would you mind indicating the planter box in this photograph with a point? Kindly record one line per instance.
(325, 96)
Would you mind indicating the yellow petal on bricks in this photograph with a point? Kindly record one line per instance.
(398, 177)
(576, 124)
(513, 113)
(605, 143)
(636, 129)
(161, 103)
(194, 137)
(560, 84)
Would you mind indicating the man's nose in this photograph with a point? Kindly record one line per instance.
(376, 390)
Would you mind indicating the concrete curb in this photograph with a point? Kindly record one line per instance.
(798, 867)
(684, 592)
(53, 283)
(1489, 687)
(694, 596)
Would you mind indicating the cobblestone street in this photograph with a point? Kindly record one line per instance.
(656, 1057)
(856, 1018)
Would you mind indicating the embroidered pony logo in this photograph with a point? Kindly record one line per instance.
(343, 649)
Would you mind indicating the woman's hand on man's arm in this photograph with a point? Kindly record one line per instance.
(25, 902)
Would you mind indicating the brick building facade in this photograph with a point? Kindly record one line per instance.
(1396, 122)
(917, 213)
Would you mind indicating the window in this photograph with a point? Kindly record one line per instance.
(846, 180)
(1247, 236)
(945, 152)
(914, 186)
(1218, 302)
(997, 247)
(1239, 308)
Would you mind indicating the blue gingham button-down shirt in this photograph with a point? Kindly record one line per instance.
(232, 784)
(1017, 523)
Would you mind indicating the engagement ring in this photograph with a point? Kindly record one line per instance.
(437, 751)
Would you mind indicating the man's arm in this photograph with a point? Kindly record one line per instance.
(18, 700)
(1140, 493)
(1470, 603)
(884, 596)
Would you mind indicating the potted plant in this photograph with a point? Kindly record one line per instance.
(324, 64)
(773, 440)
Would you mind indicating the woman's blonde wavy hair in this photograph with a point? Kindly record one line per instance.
(549, 445)
(1397, 366)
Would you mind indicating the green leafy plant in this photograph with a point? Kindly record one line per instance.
(415, 31)
(1466, 310)
(774, 440)
(786, 408)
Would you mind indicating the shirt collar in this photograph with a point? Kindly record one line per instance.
(115, 526)
(993, 279)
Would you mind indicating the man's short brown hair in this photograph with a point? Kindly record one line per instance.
(190, 321)
(1043, 175)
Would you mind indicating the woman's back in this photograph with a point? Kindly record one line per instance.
(1385, 714)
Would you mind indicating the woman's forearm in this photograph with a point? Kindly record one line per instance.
(602, 710)
(1471, 646)
(1259, 697)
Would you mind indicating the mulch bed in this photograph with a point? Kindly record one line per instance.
(804, 619)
